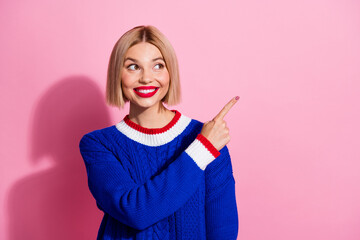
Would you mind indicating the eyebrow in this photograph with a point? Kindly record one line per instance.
(134, 60)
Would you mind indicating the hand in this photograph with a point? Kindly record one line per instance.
(216, 130)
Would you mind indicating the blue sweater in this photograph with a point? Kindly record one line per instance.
(164, 183)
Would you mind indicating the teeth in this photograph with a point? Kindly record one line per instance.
(146, 90)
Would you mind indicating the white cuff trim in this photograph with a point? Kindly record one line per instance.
(199, 153)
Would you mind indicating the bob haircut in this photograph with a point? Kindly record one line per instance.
(149, 34)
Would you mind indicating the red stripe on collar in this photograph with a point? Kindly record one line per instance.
(153, 130)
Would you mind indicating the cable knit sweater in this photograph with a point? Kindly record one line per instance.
(164, 183)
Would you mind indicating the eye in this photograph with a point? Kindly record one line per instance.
(133, 67)
(159, 66)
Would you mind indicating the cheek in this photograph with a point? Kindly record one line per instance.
(165, 79)
(125, 80)
(126, 85)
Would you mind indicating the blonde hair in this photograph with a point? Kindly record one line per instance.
(149, 34)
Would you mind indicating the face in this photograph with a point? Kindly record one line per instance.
(145, 78)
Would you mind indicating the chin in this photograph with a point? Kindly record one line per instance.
(146, 103)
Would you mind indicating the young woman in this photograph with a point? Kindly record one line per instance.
(158, 174)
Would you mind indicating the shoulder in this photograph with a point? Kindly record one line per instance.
(98, 136)
(194, 122)
(188, 127)
(100, 132)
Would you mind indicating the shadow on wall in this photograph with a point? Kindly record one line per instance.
(56, 203)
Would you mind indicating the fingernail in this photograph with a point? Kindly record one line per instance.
(237, 98)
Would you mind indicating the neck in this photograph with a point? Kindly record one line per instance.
(153, 117)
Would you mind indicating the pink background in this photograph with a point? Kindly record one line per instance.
(295, 131)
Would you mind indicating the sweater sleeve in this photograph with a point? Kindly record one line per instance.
(141, 205)
(220, 206)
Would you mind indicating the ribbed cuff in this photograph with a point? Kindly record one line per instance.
(202, 151)
(208, 145)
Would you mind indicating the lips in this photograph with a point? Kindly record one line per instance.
(146, 91)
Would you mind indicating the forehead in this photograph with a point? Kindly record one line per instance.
(143, 51)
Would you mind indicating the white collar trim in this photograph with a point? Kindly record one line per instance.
(154, 140)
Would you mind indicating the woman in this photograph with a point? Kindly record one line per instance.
(158, 174)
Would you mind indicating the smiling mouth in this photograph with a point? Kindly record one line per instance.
(146, 92)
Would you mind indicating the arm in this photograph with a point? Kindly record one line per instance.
(141, 205)
(220, 206)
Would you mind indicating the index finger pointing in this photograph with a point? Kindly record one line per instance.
(226, 108)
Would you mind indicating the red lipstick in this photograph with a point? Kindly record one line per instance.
(146, 91)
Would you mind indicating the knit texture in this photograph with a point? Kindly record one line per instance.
(165, 183)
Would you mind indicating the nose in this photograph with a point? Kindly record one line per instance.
(146, 76)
